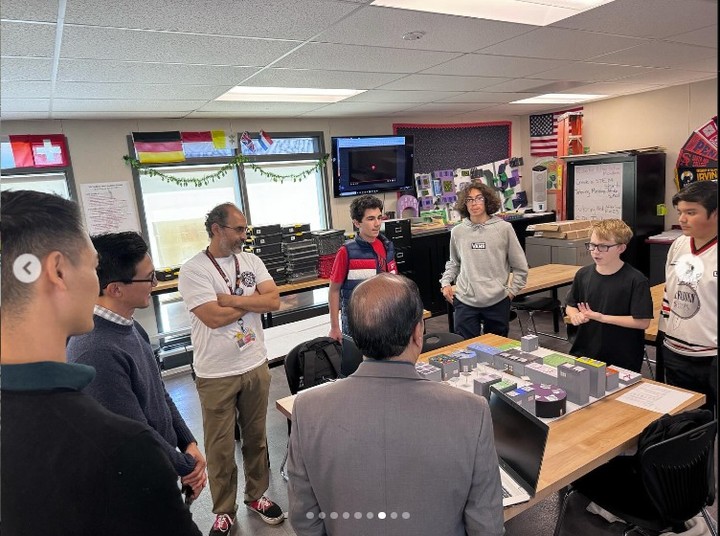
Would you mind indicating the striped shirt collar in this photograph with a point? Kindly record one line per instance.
(107, 314)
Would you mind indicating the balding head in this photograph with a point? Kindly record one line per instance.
(384, 312)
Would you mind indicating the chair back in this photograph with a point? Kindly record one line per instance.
(351, 357)
(433, 341)
(678, 473)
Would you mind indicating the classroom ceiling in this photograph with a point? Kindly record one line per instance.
(91, 59)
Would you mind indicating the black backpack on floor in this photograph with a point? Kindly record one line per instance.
(312, 363)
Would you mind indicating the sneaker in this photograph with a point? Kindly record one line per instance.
(223, 525)
(270, 512)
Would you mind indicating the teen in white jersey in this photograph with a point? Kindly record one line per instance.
(689, 310)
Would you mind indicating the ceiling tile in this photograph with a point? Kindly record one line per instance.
(29, 10)
(158, 73)
(27, 39)
(669, 77)
(518, 85)
(366, 109)
(89, 105)
(494, 66)
(624, 87)
(658, 54)
(299, 19)
(592, 72)
(25, 105)
(25, 69)
(380, 95)
(450, 107)
(436, 82)
(557, 43)
(708, 65)
(380, 26)
(118, 115)
(486, 96)
(85, 90)
(320, 79)
(25, 90)
(655, 18)
(362, 58)
(705, 37)
(22, 116)
(279, 107)
(521, 109)
(144, 46)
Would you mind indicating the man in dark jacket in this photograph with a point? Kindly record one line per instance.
(69, 466)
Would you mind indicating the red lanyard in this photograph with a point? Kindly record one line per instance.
(223, 274)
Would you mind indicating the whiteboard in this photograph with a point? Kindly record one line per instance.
(598, 191)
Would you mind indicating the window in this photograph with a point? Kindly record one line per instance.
(51, 183)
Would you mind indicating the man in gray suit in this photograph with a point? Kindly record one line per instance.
(386, 452)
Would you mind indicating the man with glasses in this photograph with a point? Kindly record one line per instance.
(610, 301)
(226, 290)
(484, 251)
(127, 376)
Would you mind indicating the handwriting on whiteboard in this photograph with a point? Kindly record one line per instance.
(598, 191)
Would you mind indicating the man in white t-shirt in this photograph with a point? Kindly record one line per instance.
(226, 290)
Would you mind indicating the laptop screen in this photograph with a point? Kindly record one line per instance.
(520, 438)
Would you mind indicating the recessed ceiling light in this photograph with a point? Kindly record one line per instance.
(535, 12)
(287, 94)
(558, 98)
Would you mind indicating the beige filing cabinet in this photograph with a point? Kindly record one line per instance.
(541, 251)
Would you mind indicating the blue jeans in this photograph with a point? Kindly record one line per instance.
(469, 320)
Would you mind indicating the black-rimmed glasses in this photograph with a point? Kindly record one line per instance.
(602, 248)
(473, 200)
(152, 280)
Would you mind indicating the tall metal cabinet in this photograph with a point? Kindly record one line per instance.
(627, 184)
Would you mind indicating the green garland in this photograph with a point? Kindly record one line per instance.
(220, 173)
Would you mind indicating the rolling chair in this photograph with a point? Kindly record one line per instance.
(433, 341)
(664, 485)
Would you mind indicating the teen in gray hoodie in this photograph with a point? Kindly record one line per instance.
(484, 250)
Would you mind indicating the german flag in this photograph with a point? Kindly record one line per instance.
(158, 147)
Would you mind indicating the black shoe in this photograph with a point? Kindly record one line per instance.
(223, 525)
(270, 512)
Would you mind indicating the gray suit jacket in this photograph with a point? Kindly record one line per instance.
(386, 452)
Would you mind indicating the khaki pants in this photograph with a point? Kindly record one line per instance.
(220, 399)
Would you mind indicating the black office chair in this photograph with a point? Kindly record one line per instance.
(664, 485)
(351, 357)
(532, 305)
(433, 341)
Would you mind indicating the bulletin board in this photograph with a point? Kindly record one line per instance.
(452, 146)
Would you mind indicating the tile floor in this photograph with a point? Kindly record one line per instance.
(538, 521)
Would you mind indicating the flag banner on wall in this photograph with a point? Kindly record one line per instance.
(247, 142)
(698, 158)
(210, 143)
(158, 147)
(264, 140)
(543, 132)
(27, 151)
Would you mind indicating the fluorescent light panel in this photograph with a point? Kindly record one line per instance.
(535, 12)
(287, 94)
(558, 98)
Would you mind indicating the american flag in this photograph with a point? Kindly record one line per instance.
(543, 133)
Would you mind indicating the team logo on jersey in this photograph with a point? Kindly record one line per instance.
(478, 245)
(686, 302)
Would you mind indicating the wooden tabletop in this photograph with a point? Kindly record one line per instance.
(548, 276)
(577, 443)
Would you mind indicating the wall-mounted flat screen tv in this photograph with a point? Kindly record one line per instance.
(372, 164)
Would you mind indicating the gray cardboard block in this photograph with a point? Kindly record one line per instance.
(627, 377)
(612, 379)
(525, 396)
(529, 343)
(504, 386)
(597, 375)
(428, 371)
(484, 352)
(540, 373)
(576, 382)
(481, 385)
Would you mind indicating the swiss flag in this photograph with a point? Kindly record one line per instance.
(48, 150)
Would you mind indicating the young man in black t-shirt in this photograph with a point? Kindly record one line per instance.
(610, 301)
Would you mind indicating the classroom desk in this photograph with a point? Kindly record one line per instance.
(578, 442)
(540, 279)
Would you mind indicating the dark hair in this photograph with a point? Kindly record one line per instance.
(119, 255)
(36, 223)
(383, 312)
(217, 215)
(361, 204)
(492, 201)
(703, 192)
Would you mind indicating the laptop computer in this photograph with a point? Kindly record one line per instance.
(520, 440)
